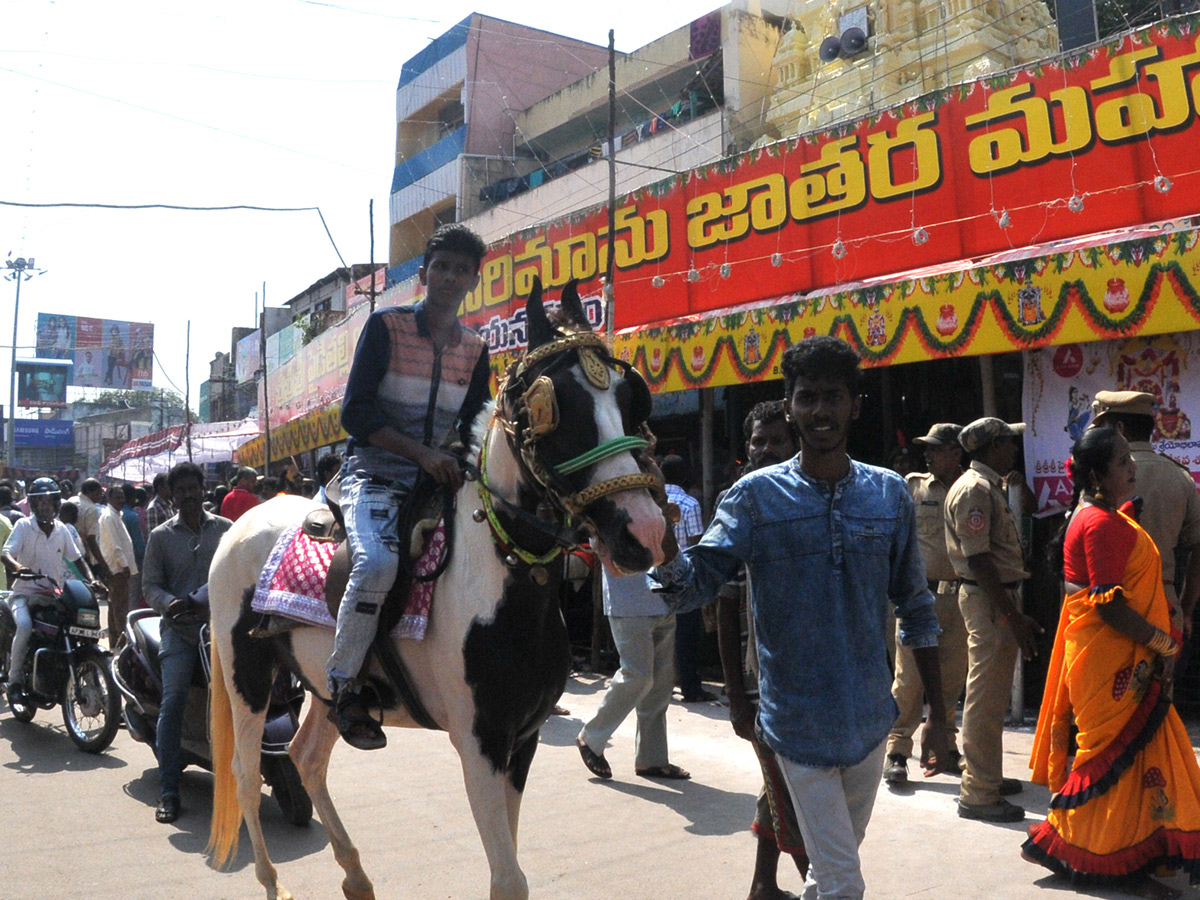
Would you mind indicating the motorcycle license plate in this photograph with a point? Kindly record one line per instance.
(80, 631)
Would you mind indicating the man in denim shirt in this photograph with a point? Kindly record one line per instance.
(828, 542)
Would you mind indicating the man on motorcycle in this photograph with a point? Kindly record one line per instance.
(39, 544)
(178, 555)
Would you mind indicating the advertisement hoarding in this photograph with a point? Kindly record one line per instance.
(44, 432)
(107, 353)
(42, 383)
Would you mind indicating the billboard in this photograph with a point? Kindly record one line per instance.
(107, 353)
(249, 357)
(44, 432)
(43, 382)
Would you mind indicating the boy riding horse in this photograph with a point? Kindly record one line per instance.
(417, 373)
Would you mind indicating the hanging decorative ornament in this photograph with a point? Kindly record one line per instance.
(839, 249)
(1075, 204)
(920, 236)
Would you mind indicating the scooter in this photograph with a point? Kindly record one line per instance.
(138, 677)
(64, 663)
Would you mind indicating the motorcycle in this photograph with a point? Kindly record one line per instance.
(64, 663)
(138, 676)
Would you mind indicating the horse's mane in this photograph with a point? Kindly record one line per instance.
(479, 428)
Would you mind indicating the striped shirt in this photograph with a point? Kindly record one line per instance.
(400, 378)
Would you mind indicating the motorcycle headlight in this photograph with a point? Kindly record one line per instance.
(87, 618)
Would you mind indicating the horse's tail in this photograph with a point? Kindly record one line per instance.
(227, 813)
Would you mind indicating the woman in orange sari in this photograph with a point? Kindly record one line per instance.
(1129, 801)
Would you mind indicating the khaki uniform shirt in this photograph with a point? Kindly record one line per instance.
(1171, 508)
(929, 497)
(979, 520)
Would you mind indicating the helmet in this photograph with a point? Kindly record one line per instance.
(44, 487)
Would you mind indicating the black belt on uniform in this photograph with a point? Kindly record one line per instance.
(1008, 585)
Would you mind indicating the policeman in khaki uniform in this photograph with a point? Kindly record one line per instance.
(985, 550)
(943, 456)
(1170, 510)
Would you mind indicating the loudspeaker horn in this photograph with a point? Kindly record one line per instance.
(854, 40)
(831, 49)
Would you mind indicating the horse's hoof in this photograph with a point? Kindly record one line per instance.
(364, 894)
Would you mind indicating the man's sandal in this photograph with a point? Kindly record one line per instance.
(670, 770)
(595, 762)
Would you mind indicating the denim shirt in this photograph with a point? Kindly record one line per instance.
(823, 564)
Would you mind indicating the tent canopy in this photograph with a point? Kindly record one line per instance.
(142, 459)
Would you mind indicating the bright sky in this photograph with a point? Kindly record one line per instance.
(283, 103)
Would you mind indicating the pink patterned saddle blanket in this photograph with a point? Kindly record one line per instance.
(292, 583)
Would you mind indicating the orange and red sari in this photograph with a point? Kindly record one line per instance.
(1129, 800)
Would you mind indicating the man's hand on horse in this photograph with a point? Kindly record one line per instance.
(444, 468)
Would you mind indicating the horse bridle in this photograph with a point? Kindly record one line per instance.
(527, 410)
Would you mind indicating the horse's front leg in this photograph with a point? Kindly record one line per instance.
(514, 784)
(310, 751)
(488, 791)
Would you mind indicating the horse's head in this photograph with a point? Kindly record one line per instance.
(573, 416)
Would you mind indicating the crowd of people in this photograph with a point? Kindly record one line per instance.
(143, 546)
(871, 600)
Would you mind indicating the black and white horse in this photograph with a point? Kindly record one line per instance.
(561, 437)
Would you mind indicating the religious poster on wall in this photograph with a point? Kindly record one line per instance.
(107, 353)
(1061, 383)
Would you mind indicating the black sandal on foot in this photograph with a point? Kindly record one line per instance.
(595, 762)
(355, 723)
(668, 771)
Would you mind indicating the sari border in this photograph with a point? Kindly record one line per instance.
(1097, 775)
(1164, 846)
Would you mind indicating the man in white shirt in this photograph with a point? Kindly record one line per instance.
(91, 492)
(116, 546)
(38, 544)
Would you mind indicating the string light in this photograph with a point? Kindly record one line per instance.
(1003, 220)
(693, 275)
(657, 281)
(725, 270)
(920, 236)
(777, 259)
(839, 249)
(1162, 184)
(1075, 204)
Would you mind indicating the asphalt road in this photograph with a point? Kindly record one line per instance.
(83, 826)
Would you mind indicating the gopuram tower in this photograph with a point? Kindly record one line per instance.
(839, 59)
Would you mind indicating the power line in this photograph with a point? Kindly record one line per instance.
(178, 118)
(75, 205)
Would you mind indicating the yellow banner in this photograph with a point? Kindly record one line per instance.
(1141, 287)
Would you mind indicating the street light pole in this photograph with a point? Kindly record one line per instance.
(20, 269)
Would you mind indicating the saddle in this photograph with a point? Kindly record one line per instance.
(418, 518)
(425, 507)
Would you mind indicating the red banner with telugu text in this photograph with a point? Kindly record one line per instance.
(1102, 139)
